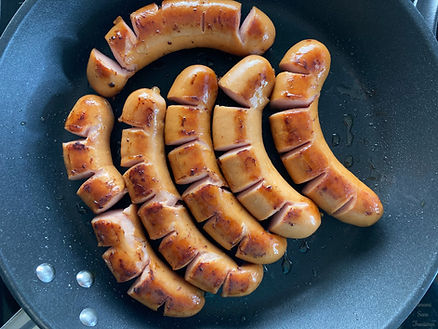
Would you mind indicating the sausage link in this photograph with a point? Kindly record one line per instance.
(298, 137)
(130, 256)
(92, 117)
(176, 25)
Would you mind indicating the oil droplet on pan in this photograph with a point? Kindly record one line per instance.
(348, 161)
(336, 139)
(348, 122)
(286, 264)
(45, 272)
(88, 317)
(85, 279)
(80, 209)
(304, 247)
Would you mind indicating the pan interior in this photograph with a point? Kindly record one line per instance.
(382, 83)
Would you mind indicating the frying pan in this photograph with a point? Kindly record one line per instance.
(383, 79)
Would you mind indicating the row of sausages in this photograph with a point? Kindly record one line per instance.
(244, 166)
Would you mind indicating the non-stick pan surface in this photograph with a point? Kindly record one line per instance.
(384, 79)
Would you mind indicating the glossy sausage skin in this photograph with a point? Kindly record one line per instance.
(130, 255)
(246, 165)
(176, 25)
(142, 147)
(188, 125)
(225, 220)
(182, 245)
(105, 75)
(298, 136)
(92, 117)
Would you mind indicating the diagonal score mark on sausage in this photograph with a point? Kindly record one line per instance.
(92, 117)
(182, 244)
(176, 25)
(298, 137)
(194, 162)
(131, 256)
(248, 169)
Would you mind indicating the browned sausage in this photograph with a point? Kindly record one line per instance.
(176, 25)
(92, 117)
(130, 255)
(298, 136)
(195, 162)
(246, 165)
(182, 244)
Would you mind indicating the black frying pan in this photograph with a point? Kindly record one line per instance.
(384, 75)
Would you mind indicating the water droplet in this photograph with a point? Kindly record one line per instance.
(336, 139)
(348, 161)
(45, 272)
(23, 123)
(265, 268)
(85, 279)
(348, 122)
(88, 317)
(370, 92)
(304, 247)
(80, 209)
(286, 264)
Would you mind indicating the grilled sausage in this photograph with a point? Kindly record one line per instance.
(92, 117)
(298, 136)
(149, 180)
(176, 25)
(246, 165)
(130, 255)
(226, 221)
